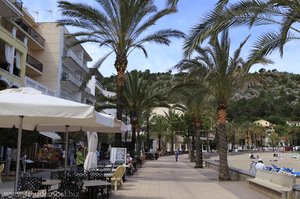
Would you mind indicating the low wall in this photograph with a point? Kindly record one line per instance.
(235, 173)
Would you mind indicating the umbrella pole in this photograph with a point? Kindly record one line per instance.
(18, 151)
(66, 148)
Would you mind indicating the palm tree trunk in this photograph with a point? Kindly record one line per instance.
(223, 147)
(207, 141)
(172, 143)
(198, 163)
(120, 65)
(159, 142)
(193, 149)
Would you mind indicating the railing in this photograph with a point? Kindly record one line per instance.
(34, 84)
(76, 58)
(67, 76)
(35, 63)
(5, 24)
(34, 34)
(18, 4)
(70, 77)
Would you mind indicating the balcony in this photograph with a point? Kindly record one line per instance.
(72, 58)
(18, 4)
(11, 8)
(31, 32)
(6, 25)
(34, 84)
(34, 63)
(75, 80)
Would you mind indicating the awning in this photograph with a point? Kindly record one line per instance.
(52, 135)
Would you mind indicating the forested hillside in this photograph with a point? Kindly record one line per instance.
(269, 95)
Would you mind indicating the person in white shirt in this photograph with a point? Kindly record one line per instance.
(260, 165)
(129, 163)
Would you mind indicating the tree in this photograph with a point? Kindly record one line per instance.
(226, 74)
(159, 127)
(194, 102)
(139, 96)
(121, 26)
(174, 124)
(283, 13)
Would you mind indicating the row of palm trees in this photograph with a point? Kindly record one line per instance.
(213, 74)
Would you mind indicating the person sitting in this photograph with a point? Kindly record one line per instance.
(251, 156)
(131, 168)
(260, 165)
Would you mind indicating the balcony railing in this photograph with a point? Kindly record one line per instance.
(35, 63)
(5, 24)
(67, 76)
(34, 84)
(70, 53)
(34, 34)
(18, 4)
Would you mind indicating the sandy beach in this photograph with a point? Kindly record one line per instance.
(286, 159)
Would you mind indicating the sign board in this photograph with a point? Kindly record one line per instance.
(118, 155)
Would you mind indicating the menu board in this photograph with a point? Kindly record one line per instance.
(118, 155)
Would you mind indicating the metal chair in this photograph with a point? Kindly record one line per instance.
(15, 196)
(95, 175)
(29, 183)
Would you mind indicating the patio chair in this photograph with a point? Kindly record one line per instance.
(117, 177)
(95, 175)
(29, 183)
(67, 190)
(1, 170)
(15, 196)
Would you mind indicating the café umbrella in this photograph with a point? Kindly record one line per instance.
(27, 108)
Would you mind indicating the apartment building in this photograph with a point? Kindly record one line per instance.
(40, 55)
(64, 64)
(13, 45)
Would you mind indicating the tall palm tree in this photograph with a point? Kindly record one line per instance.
(120, 25)
(193, 96)
(226, 74)
(285, 14)
(159, 127)
(173, 120)
(139, 95)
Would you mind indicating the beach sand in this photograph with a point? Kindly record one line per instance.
(242, 161)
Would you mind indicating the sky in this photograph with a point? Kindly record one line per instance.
(162, 58)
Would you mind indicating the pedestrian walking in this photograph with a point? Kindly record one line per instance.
(176, 155)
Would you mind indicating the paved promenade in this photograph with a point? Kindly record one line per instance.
(167, 179)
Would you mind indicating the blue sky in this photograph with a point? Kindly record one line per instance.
(162, 58)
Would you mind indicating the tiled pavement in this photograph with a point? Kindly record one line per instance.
(167, 179)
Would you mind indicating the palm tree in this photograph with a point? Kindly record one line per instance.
(226, 74)
(174, 124)
(159, 127)
(194, 100)
(139, 95)
(120, 25)
(282, 13)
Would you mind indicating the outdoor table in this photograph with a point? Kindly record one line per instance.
(93, 185)
(49, 183)
(108, 175)
(42, 193)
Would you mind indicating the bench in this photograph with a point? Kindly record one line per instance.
(272, 184)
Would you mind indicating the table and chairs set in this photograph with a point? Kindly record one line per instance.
(92, 184)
